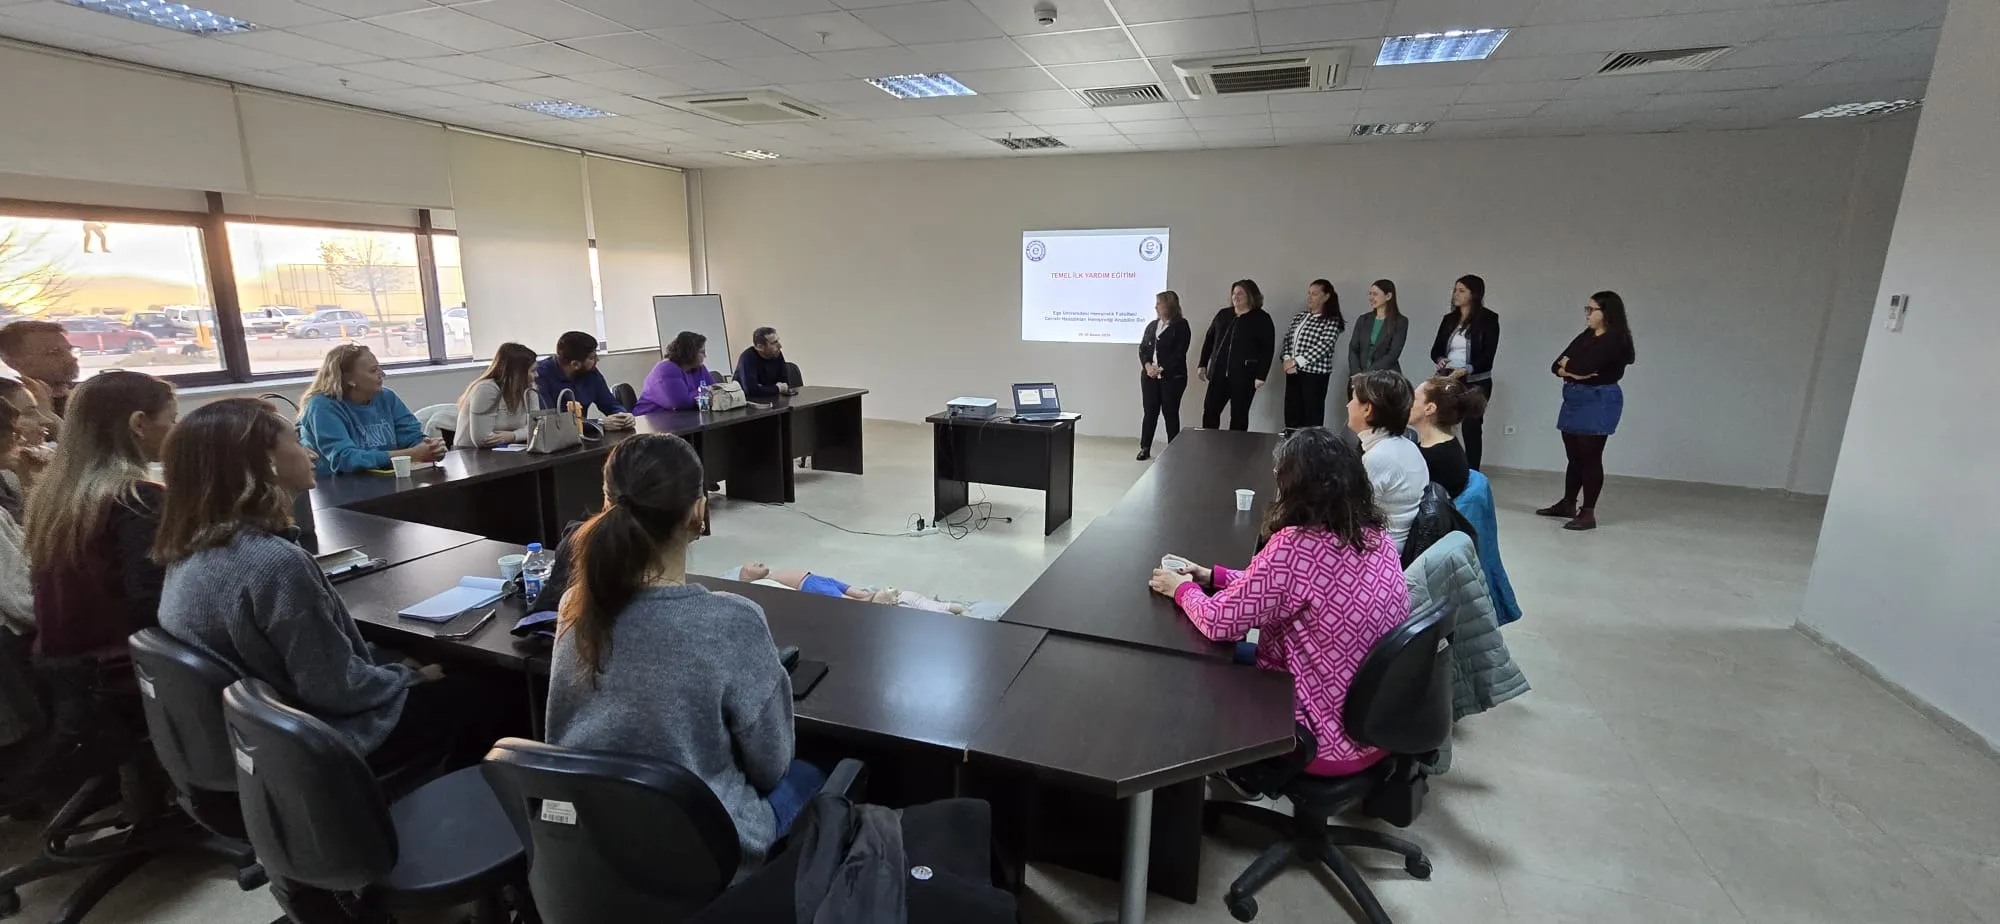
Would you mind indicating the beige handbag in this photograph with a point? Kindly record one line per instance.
(554, 429)
(726, 396)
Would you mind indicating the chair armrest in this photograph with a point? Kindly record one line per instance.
(849, 778)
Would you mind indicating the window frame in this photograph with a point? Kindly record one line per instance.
(230, 343)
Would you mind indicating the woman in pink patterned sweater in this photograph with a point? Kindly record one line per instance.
(1325, 588)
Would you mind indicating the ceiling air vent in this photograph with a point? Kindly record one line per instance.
(1671, 59)
(1140, 94)
(1324, 69)
(756, 107)
(1039, 143)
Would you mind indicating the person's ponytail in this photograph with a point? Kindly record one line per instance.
(651, 486)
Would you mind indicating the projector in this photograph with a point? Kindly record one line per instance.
(972, 408)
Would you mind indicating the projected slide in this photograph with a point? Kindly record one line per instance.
(1091, 286)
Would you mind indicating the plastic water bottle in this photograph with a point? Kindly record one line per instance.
(701, 398)
(535, 570)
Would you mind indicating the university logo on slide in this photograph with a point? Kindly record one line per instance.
(1150, 249)
(1036, 251)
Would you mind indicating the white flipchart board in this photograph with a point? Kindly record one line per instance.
(699, 313)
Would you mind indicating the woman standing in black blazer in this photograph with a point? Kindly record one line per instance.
(1378, 337)
(1236, 356)
(1309, 356)
(1467, 338)
(1163, 369)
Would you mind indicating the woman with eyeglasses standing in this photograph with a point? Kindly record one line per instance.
(1590, 368)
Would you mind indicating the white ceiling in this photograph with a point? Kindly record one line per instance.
(463, 62)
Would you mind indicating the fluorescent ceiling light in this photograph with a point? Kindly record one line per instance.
(564, 109)
(176, 16)
(921, 86)
(752, 155)
(1392, 128)
(1438, 47)
(1879, 107)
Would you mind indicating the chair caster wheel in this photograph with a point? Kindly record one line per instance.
(251, 878)
(10, 903)
(1420, 867)
(1241, 907)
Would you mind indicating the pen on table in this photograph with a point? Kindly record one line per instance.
(481, 624)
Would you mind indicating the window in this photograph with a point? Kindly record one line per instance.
(451, 295)
(127, 293)
(304, 289)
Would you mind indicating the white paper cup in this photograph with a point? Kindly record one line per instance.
(401, 466)
(1243, 498)
(510, 566)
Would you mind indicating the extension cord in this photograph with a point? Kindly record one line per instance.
(924, 531)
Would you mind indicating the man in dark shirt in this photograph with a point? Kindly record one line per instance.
(574, 367)
(761, 369)
(40, 352)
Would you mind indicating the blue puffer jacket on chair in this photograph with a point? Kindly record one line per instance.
(1476, 502)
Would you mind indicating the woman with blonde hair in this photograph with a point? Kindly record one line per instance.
(494, 409)
(92, 516)
(354, 422)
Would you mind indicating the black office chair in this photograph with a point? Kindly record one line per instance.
(625, 395)
(318, 818)
(1399, 701)
(792, 376)
(181, 690)
(619, 837)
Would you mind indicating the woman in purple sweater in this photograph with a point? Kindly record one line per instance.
(673, 384)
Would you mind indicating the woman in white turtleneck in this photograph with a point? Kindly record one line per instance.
(1379, 411)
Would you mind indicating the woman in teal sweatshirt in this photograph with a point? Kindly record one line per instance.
(355, 423)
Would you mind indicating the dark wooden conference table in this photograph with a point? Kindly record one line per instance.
(1096, 716)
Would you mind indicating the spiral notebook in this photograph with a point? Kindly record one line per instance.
(471, 592)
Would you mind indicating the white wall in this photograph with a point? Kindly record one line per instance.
(1904, 575)
(1734, 250)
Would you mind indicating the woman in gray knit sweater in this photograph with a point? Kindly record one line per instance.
(648, 663)
(240, 589)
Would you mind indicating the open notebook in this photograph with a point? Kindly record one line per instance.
(471, 592)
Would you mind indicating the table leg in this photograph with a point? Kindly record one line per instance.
(837, 434)
(1138, 852)
(949, 494)
(1059, 490)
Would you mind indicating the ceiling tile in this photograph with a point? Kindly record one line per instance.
(404, 73)
(297, 47)
(1067, 130)
(940, 21)
(1911, 42)
(362, 9)
(1841, 17)
(1550, 12)
(1410, 96)
(1413, 16)
(54, 36)
(1012, 80)
(793, 68)
(1744, 78)
(1345, 22)
(1143, 11)
(974, 55)
(835, 31)
(1536, 70)
(722, 40)
(1873, 70)
(1226, 106)
(1513, 92)
(1316, 102)
(322, 79)
(1626, 85)
(1588, 107)
(489, 93)
(985, 121)
(1070, 117)
(1231, 123)
(633, 49)
(1107, 74)
(1819, 50)
(424, 96)
(549, 58)
(474, 67)
(1452, 73)
(1018, 18)
(767, 9)
(1509, 110)
(707, 76)
(454, 29)
(62, 16)
(1037, 101)
(554, 88)
(1079, 47)
(549, 19)
(271, 14)
(1147, 112)
(194, 51)
(1197, 36)
(875, 62)
(1401, 112)
(633, 82)
(1155, 126)
(1335, 118)
(1575, 38)
(371, 38)
(651, 14)
(1700, 102)
(1256, 137)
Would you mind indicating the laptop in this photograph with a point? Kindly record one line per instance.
(1037, 401)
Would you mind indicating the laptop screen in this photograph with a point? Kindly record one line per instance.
(1037, 398)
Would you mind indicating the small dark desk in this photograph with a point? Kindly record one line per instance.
(1184, 505)
(1014, 453)
(393, 541)
(1123, 722)
(374, 600)
(825, 424)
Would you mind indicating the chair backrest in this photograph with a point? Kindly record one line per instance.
(1400, 698)
(311, 807)
(613, 837)
(792, 376)
(181, 689)
(625, 395)
(436, 419)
